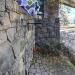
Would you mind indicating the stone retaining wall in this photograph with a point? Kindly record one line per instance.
(16, 39)
(18, 34)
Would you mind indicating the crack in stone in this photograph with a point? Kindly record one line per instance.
(13, 53)
(8, 39)
(1, 23)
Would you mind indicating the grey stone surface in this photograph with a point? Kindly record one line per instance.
(16, 46)
(6, 57)
(16, 39)
(7, 73)
(11, 34)
(9, 4)
(2, 5)
(38, 74)
(3, 37)
(6, 21)
(44, 73)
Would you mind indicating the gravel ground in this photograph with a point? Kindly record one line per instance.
(48, 66)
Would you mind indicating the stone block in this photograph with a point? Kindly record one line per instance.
(24, 22)
(16, 47)
(15, 68)
(6, 57)
(31, 21)
(32, 70)
(23, 43)
(1, 14)
(9, 4)
(38, 74)
(3, 37)
(13, 16)
(30, 73)
(11, 33)
(28, 34)
(2, 5)
(13, 24)
(6, 73)
(20, 33)
(22, 72)
(6, 21)
(21, 67)
(38, 70)
(44, 73)
(18, 67)
(1, 20)
(0, 73)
